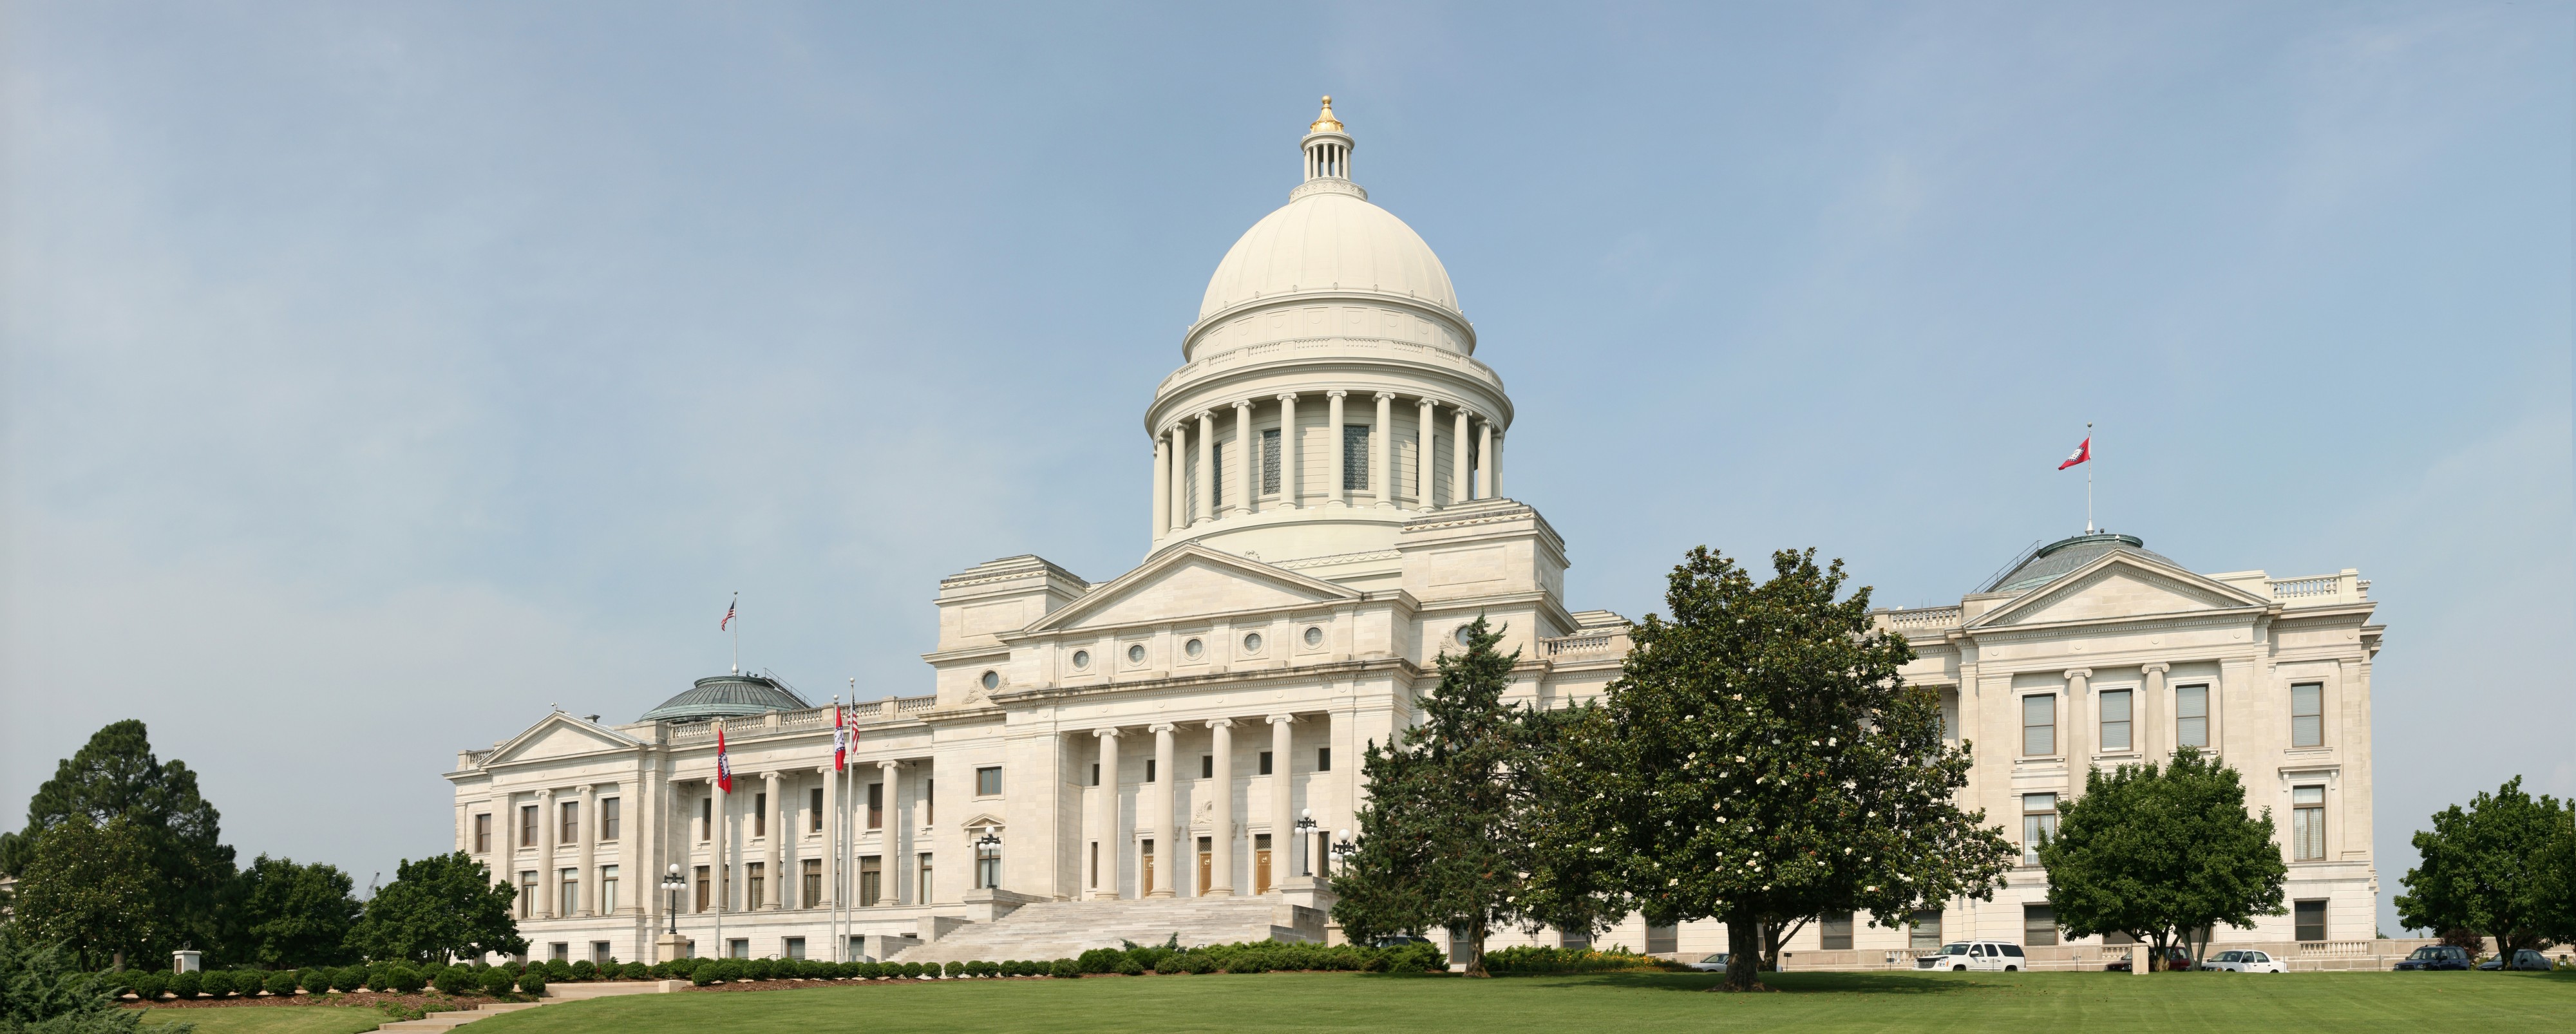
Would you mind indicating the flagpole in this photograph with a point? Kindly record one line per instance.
(724, 829)
(2088, 480)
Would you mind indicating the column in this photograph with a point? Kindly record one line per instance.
(1459, 485)
(586, 834)
(1381, 458)
(1179, 514)
(1288, 481)
(1221, 823)
(1158, 519)
(1333, 495)
(1174, 864)
(1494, 465)
(2150, 717)
(895, 840)
(1239, 495)
(1104, 819)
(1207, 469)
(831, 837)
(1485, 459)
(771, 858)
(1283, 816)
(546, 819)
(1424, 456)
(2070, 721)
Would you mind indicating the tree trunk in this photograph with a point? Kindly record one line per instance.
(1476, 950)
(2156, 949)
(1743, 951)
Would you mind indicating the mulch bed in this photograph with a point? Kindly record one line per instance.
(266, 1001)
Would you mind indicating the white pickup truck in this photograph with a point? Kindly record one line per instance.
(1962, 956)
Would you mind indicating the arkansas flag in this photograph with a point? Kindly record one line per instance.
(724, 765)
(2083, 453)
(840, 740)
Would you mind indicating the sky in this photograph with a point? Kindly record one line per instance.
(378, 377)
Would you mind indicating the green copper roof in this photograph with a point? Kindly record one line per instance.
(728, 696)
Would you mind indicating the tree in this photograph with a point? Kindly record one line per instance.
(1759, 760)
(115, 775)
(2480, 869)
(2156, 853)
(2554, 884)
(1441, 840)
(440, 907)
(279, 914)
(88, 887)
(41, 991)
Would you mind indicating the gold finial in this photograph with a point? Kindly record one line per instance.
(1326, 123)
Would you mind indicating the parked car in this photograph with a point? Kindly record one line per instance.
(1715, 963)
(2436, 956)
(2522, 959)
(2175, 959)
(1399, 940)
(2245, 962)
(1962, 956)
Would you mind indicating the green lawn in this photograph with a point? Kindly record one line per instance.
(299, 1019)
(2339, 1003)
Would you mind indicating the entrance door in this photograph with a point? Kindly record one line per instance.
(1145, 870)
(1206, 858)
(1261, 863)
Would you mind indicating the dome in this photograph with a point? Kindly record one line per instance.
(2055, 560)
(728, 696)
(1328, 240)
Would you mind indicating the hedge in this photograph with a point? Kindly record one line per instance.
(533, 981)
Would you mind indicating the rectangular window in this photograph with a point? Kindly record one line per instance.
(876, 805)
(923, 896)
(2191, 716)
(760, 814)
(1834, 931)
(811, 894)
(814, 810)
(599, 953)
(2038, 822)
(607, 889)
(2038, 925)
(1216, 477)
(528, 826)
(1265, 762)
(1149, 770)
(1270, 461)
(929, 802)
(1925, 933)
(560, 951)
(2309, 919)
(1095, 865)
(755, 884)
(1355, 456)
(871, 881)
(1572, 939)
(988, 781)
(1323, 759)
(1207, 766)
(2039, 725)
(2308, 714)
(2308, 823)
(706, 889)
(2115, 720)
(527, 894)
(796, 947)
(738, 947)
(568, 882)
(608, 815)
(706, 818)
(1095, 773)
(570, 832)
(483, 833)
(1663, 940)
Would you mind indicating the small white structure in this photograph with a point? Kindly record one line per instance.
(187, 961)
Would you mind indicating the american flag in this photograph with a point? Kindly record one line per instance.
(728, 618)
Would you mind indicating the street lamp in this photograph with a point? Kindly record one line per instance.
(674, 883)
(1342, 847)
(988, 860)
(1305, 836)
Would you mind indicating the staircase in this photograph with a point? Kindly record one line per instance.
(1064, 929)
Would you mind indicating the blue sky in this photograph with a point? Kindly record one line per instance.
(378, 376)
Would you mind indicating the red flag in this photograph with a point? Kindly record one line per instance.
(840, 740)
(2083, 454)
(724, 766)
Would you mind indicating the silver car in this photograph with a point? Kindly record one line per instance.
(1715, 963)
(2245, 962)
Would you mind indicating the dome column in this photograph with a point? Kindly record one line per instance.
(1382, 450)
(1176, 515)
(1159, 517)
(1494, 466)
(1485, 459)
(1334, 493)
(1462, 486)
(1206, 510)
(1288, 470)
(1425, 458)
(1239, 498)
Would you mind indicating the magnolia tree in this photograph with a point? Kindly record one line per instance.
(2158, 852)
(1759, 761)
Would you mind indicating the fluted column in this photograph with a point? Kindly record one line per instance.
(1206, 509)
(2070, 723)
(1239, 495)
(1158, 518)
(1283, 819)
(2151, 715)
(1382, 450)
(770, 856)
(586, 833)
(1221, 821)
(1425, 458)
(1104, 818)
(547, 879)
(1334, 495)
(1461, 487)
(1171, 831)
(1178, 515)
(1485, 459)
(896, 868)
(1288, 480)
(1494, 466)
(831, 837)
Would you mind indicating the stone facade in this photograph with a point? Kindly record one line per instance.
(1326, 514)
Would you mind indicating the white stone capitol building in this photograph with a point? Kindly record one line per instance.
(1131, 758)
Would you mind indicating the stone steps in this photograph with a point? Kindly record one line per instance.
(1064, 929)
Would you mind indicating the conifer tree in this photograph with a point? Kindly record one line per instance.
(116, 775)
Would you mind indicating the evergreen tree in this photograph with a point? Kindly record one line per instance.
(440, 907)
(279, 914)
(1759, 760)
(2481, 869)
(1442, 843)
(115, 775)
(88, 887)
(2156, 853)
(42, 992)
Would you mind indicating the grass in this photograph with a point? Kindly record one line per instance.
(298, 1019)
(2340, 1003)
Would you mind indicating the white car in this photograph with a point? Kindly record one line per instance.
(1715, 962)
(1962, 956)
(2245, 962)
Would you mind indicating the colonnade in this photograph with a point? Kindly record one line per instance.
(1184, 490)
(1106, 851)
(841, 821)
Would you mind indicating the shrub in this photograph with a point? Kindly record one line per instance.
(955, 969)
(1100, 960)
(760, 969)
(215, 983)
(515, 966)
(282, 983)
(407, 980)
(187, 985)
(495, 981)
(1245, 962)
(1202, 963)
(728, 970)
(314, 980)
(871, 970)
(582, 970)
(149, 984)
(635, 971)
(533, 982)
(1129, 967)
(702, 975)
(656, 971)
(557, 971)
(456, 980)
(348, 978)
(1172, 963)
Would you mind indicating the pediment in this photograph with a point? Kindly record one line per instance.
(559, 735)
(2120, 585)
(1190, 581)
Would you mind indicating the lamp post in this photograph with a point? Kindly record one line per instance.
(674, 883)
(1306, 834)
(1342, 846)
(988, 860)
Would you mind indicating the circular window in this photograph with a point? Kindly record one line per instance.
(1194, 648)
(1136, 654)
(1314, 637)
(1082, 658)
(1466, 633)
(992, 680)
(1252, 643)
